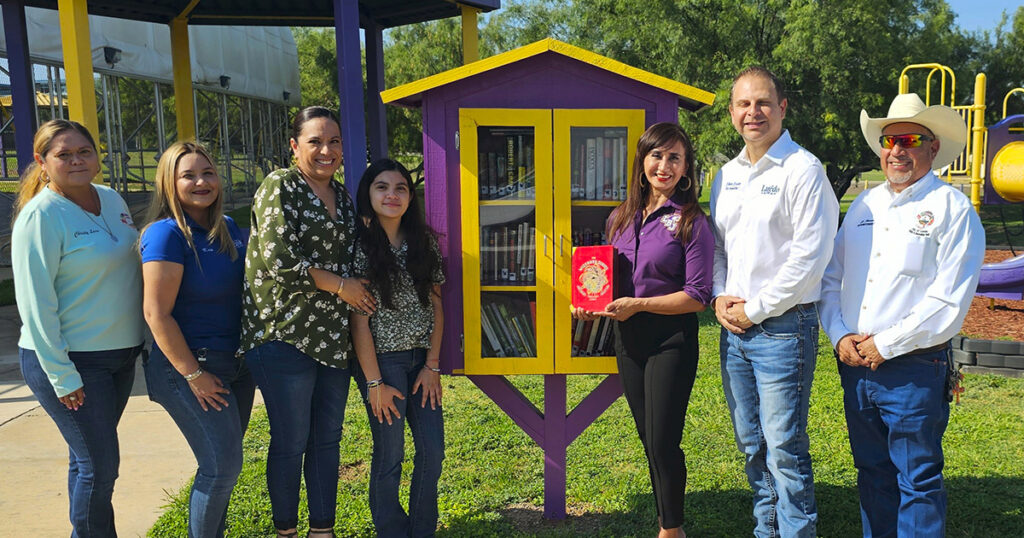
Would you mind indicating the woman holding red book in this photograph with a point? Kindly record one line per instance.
(664, 250)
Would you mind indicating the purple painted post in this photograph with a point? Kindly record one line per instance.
(23, 95)
(554, 445)
(350, 90)
(374, 85)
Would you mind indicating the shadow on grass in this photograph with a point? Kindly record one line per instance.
(978, 507)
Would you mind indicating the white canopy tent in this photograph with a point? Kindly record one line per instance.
(261, 61)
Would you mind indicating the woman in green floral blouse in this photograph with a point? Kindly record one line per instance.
(295, 323)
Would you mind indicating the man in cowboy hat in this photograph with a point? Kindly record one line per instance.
(902, 276)
(774, 216)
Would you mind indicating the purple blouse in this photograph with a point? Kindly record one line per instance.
(658, 263)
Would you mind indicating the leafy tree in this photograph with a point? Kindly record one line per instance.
(318, 66)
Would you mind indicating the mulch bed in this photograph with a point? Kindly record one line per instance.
(1005, 320)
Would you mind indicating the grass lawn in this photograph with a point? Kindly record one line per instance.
(493, 478)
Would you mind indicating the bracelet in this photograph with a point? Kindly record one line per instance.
(435, 370)
(341, 286)
(374, 383)
(194, 375)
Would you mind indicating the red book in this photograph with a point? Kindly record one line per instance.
(593, 277)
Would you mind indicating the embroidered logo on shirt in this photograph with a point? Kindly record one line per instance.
(671, 222)
(127, 219)
(593, 279)
(925, 219)
(770, 190)
(732, 186)
(866, 222)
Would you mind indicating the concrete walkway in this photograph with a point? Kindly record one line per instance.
(155, 459)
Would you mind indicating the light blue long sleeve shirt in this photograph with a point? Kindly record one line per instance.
(78, 281)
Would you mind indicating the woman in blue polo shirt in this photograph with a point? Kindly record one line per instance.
(192, 257)
(665, 251)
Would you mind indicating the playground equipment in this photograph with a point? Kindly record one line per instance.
(1003, 144)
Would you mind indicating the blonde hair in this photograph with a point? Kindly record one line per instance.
(166, 205)
(32, 179)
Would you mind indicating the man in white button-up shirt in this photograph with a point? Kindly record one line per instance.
(902, 276)
(775, 216)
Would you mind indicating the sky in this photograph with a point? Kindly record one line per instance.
(975, 15)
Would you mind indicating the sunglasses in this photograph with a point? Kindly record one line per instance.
(904, 140)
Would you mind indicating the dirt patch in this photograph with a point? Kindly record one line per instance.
(349, 472)
(581, 518)
(995, 319)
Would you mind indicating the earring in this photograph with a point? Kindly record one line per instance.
(45, 177)
(689, 184)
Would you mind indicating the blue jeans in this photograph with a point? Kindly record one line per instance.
(215, 436)
(91, 431)
(305, 403)
(767, 373)
(399, 370)
(897, 416)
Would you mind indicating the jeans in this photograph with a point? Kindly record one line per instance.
(91, 431)
(897, 416)
(399, 370)
(657, 360)
(305, 403)
(215, 436)
(767, 373)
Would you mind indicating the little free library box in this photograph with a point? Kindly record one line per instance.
(526, 153)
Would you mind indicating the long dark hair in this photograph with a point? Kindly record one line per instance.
(383, 270)
(657, 136)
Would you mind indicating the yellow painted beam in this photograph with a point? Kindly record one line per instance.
(978, 139)
(182, 68)
(74, 30)
(470, 35)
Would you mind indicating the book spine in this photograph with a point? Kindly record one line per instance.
(513, 254)
(607, 190)
(623, 169)
(531, 249)
(590, 183)
(521, 167)
(510, 165)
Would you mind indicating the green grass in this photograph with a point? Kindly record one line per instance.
(7, 292)
(493, 479)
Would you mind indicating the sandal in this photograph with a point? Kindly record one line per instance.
(321, 533)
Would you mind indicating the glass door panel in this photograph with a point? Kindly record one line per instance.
(507, 246)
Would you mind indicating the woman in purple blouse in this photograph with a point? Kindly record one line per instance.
(665, 251)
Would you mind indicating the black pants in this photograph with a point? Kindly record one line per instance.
(657, 358)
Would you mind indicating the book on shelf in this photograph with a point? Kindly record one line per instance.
(593, 277)
(508, 327)
(598, 166)
(508, 254)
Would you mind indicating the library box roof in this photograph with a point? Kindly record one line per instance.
(549, 57)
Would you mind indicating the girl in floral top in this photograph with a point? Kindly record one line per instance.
(398, 348)
(295, 338)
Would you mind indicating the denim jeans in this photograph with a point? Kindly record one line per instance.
(91, 431)
(305, 403)
(897, 415)
(399, 370)
(215, 436)
(767, 373)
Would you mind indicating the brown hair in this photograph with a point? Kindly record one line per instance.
(165, 204)
(657, 136)
(764, 72)
(32, 179)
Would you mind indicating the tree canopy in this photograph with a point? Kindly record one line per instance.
(836, 57)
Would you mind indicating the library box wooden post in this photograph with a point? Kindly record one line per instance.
(526, 153)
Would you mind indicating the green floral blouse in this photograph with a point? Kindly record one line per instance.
(292, 232)
(409, 324)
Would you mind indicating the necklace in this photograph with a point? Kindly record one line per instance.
(102, 222)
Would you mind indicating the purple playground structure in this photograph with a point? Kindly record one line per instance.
(1005, 185)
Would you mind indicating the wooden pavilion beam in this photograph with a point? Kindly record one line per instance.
(23, 91)
(74, 29)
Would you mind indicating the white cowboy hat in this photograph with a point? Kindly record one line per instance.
(944, 122)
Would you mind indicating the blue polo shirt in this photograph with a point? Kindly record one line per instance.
(208, 308)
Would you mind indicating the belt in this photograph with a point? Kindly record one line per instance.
(797, 307)
(932, 349)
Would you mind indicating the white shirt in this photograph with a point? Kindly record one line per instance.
(774, 223)
(904, 268)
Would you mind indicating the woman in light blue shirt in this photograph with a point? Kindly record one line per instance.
(79, 290)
